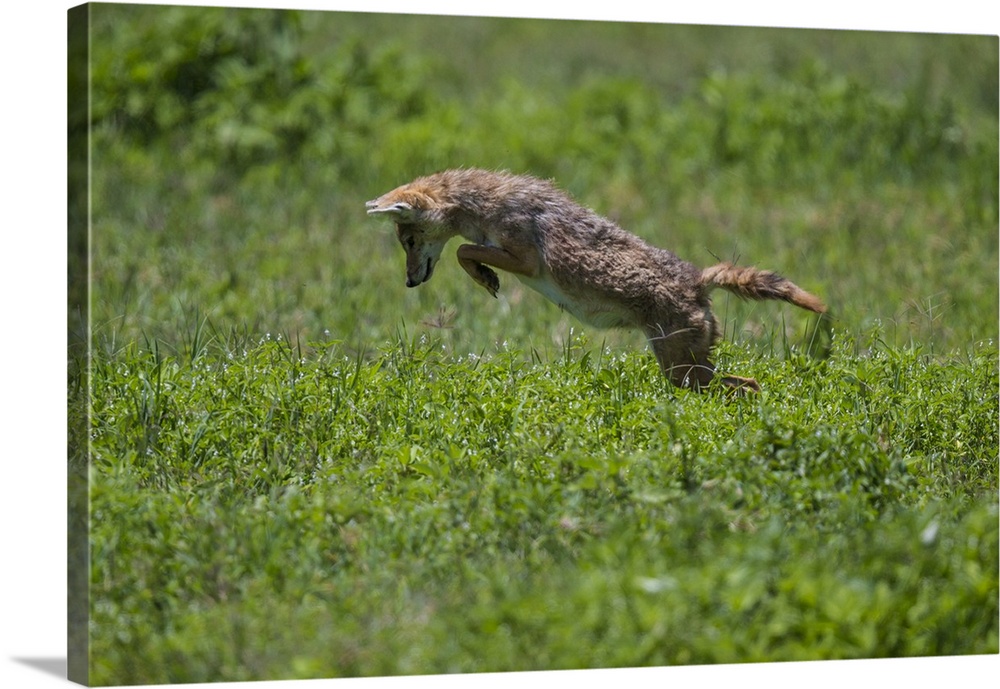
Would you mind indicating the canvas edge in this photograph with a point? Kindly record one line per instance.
(78, 343)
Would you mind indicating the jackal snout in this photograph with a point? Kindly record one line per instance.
(421, 275)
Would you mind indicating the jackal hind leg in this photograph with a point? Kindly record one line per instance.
(683, 358)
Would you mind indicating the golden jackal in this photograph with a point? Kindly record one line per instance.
(581, 261)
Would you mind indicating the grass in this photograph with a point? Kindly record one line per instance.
(266, 512)
(300, 468)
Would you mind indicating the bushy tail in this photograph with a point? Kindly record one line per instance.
(749, 283)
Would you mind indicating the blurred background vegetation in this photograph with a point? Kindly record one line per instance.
(234, 150)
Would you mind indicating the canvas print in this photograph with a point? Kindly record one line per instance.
(415, 345)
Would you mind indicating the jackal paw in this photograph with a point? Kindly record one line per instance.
(488, 279)
(739, 386)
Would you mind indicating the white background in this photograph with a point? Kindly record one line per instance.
(33, 319)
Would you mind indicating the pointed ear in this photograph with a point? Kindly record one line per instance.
(399, 209)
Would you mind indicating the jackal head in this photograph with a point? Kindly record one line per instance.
(420, 229)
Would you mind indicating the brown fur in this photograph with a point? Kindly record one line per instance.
(578, 259)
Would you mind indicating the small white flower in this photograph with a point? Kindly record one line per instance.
(929, 534)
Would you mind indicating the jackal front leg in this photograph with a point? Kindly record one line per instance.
(476, 259)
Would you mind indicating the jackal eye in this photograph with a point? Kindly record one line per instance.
(409, 241)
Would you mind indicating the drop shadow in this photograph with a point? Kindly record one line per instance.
(50, 666)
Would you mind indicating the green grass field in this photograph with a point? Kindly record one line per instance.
(300, 468)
